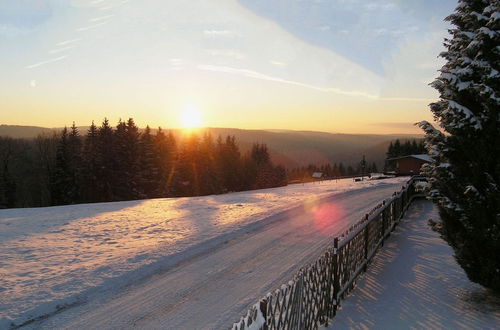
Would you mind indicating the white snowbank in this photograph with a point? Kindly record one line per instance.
(56, 256)
(415, 283)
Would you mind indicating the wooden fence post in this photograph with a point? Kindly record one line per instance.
(383, 214)
(263, 309)
(336, 274)
(367, 233)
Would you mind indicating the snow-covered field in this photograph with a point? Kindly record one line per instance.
(415, 283)
(59, 256)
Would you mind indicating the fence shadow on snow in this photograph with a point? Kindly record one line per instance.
(311, 298)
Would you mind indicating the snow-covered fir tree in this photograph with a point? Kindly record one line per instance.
(464, 176)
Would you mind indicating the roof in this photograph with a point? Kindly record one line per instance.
(424, 157)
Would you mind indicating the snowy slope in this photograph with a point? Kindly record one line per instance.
(57, 256)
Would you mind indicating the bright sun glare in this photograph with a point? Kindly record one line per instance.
(191, 117)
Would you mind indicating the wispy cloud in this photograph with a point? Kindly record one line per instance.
(66, 42)
(220, 33)
(102, 18)
(278, 63)
(52, 60)
(85, 28)
(227, 53)
(60, 50)
(261, 76)
(407, 99)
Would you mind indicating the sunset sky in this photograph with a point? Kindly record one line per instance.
(348, 66)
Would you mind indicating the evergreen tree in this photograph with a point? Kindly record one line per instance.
(464, 175)
(45, 150)
(207, 166)
(342, 169)
(397, 148)
(90, 165)
(7, 182)
(149, 171)
(229, 164)
(264, 175)
(166, 155)
(75, 164)
(132, 143)
(186, 181)
(62, 178)
(105, 163)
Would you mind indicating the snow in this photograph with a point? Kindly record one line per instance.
(490, 33)
(425, 157)
(465, 111)
(63, 256)
(415, 283)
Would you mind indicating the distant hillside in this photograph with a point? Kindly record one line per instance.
(298, 148)
(288, 148)
(24, 132)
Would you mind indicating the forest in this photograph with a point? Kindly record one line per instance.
(122, 163)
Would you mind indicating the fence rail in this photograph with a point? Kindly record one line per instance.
(311, 298)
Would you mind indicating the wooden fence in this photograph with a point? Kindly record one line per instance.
(311, 298)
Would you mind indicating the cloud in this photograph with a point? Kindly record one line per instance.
(261, 76)
(219, 33)
(97, 19)
(227, 53)
(278, 63)
(90, 27)
(66, 42)
(60, 50)
(32, 66)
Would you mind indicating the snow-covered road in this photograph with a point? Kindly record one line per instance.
(212, 284)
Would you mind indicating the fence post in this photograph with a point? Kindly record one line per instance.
(263, 309)
(367, 233)
(383, 223)
(336, 274)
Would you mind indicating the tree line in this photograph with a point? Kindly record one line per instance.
(409, 147)
(121, 163)
(330, 171)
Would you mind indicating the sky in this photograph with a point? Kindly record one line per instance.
(346, 66)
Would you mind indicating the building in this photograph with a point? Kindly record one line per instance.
(407, 165)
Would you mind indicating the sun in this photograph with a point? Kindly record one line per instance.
(191, 117)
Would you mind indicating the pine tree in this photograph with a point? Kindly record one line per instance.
(397, 148)
(74, 164)
(207, 166)
(342, 170)
(62, 178)
(90, 166)
(149, 171)
(186, 180)
(229, 164)
(105, 162)
(464, 176)
(166, 148)
(264, 176)
(7, 182)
